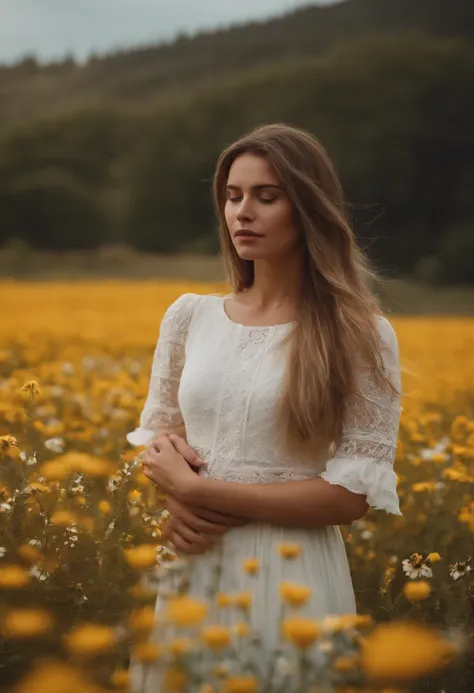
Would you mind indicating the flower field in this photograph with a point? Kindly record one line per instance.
(80, 524)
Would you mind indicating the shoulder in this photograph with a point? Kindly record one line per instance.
(389, 350)
(386, 332)
(179, 314)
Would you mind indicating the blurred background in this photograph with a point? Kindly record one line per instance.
(112, 115)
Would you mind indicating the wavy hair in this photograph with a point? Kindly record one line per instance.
(337, 309)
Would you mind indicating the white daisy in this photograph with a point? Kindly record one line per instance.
(460, 569)
(440, 447)
(415, 567)
(54, 444)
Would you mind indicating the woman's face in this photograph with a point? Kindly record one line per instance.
(256, 202)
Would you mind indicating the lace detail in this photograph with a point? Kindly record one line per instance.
(161, 411)
(258, 475)
(363, 462)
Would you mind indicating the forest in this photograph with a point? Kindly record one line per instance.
(122, 149)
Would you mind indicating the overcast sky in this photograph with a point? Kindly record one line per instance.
(51, 29)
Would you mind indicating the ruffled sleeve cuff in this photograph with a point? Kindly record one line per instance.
(376, 481)
(140, 436)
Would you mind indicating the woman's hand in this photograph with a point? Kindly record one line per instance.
(166, 467)
(187, 531)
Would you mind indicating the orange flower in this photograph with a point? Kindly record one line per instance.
(302, 632)
(289, 550)
(27, 623)
(216, 637)
(296, 595)
(141, 557)
(185, 611)
(90, 638)
(13, 576)
(399, 652)
(251, 566)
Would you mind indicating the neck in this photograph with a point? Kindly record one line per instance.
(277, 281)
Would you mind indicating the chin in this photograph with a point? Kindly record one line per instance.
(249, 254)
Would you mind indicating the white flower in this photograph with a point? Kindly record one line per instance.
(56, 391)
(2, 551)
(39, 574)
(460, 569)
(67, 368)
(440, 447)
(54, 444)
(415, 567)
(366, 534)
(4, 507)
(285, 667)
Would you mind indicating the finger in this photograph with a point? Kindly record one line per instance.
(190, 534)
(185, 546)
(191, 519)
(160, 442)
(220, 518)
(186, 451)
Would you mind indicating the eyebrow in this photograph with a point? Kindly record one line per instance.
(256, 187)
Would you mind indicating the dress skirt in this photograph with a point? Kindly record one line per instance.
(315, 558)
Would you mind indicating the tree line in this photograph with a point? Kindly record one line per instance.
(394, 112)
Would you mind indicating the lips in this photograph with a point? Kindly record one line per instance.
(245, 232)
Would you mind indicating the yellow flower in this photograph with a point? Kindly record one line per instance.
(30, 553)
(55, 677)
(64, 518)
(438, 457)
(141, 557)
(240, 684)
(434, 557)
(26, 623)
(104, 507)
(9, 446)
(251, 566)
(224, 600)
(13, 576)
(135, 496)
(400, 652)
(301, 631)
(416, 590)
(142, 619)
(242, 629)
(243, 600)
(185, 611)
(289, 550)
(120, 678)
(147, 652)
(55, 470)
(296, 595)
(180, 646)
(90, 638)
(216, 637)
(346, 663)
(175, 679)
(32, 388)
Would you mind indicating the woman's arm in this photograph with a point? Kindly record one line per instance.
(308, 503)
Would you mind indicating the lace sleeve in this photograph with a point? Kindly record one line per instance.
(363, 462)
(161, 411)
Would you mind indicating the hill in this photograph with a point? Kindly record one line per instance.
(150, 73)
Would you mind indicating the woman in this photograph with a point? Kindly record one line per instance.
(285, 393)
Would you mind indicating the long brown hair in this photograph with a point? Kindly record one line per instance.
(337, 309)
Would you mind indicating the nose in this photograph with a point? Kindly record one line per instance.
(245, 211)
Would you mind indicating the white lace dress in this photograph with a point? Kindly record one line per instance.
(218, 380)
